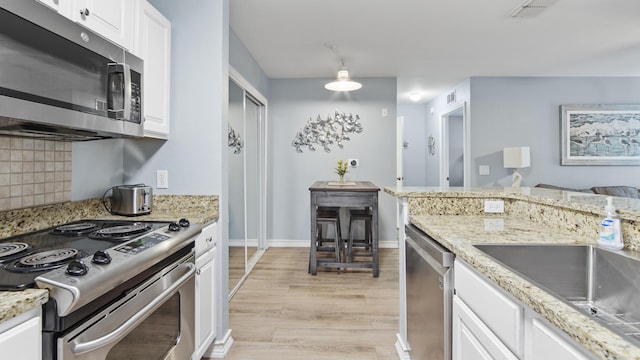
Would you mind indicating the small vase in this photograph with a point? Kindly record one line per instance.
(341, 179)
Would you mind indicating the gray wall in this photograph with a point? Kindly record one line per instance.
(291, 104)
(97, 166)
(513, 111)
(241, 60)
(198, 130)
(415, 134)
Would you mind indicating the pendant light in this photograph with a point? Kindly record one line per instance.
(343, 82)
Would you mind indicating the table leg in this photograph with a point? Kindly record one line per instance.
(313, 260)
(374, 237)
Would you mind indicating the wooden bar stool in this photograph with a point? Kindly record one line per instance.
(329, 217)
(366, 243)
(321, 229)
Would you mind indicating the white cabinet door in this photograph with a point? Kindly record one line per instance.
(205, 289)
(153, 45)
(22, 342)
(502, 314)
(205, 302)
(548, 343)
(62, 7)
(472, 339)
(113, 19)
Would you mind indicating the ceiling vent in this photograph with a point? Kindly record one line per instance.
(531, 8)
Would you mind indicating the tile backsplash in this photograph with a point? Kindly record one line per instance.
(34, 172)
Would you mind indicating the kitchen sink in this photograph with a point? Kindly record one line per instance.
(601, 283)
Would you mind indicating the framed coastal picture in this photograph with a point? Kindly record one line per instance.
(600, 134)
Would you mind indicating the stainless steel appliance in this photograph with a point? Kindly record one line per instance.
(115, 287)
(429, 269)
(130, 200)
(58, 80)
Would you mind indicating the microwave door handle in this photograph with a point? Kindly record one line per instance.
(125, 70)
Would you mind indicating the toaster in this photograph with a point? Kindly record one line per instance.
(131, 200)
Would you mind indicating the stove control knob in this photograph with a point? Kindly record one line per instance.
(77, 268)
(184, 222)
(174, 226)
(101, 257)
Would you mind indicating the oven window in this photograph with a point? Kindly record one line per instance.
(154, 338)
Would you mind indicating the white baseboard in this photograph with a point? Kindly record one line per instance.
(220, 347)
(382, 244)
(403, 351)
(241, 242)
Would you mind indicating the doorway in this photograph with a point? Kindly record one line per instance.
(246, 154)
(454, 147)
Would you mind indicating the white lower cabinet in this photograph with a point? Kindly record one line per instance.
(489, 323)
(472, 339)
(548, 343)
(205, 287)
(20, 338)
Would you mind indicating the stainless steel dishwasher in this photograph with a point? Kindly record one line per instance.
(429, 269)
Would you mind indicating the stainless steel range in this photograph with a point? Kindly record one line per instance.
(115, 287)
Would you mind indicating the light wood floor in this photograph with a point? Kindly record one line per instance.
(281, 312)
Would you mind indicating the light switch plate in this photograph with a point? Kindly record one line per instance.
(484, 170)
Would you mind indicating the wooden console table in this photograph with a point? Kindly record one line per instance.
(362, 194)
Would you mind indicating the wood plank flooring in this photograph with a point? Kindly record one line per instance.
(281, 312)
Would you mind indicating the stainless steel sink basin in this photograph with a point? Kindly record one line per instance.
(601, 283)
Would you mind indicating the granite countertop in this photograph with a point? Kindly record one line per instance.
(199, 209)
(460, 232)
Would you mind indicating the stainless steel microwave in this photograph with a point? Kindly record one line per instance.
(59, 80)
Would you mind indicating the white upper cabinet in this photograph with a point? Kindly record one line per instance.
(113, 19)
(153, 45)
(62, 7)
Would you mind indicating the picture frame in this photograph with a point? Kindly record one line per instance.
(600, 134)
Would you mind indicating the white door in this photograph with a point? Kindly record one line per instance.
(399, 147)
(454, 146)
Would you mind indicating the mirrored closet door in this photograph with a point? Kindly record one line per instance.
(247, 164)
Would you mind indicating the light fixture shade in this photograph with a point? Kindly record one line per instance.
(517, 157)
(343, 82)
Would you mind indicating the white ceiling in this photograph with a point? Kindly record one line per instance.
(431, 45)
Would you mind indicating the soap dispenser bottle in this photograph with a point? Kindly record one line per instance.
(610, 228)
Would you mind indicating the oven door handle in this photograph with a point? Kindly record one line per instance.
(122, 330)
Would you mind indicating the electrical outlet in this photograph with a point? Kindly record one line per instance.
(493, 206)
(354, 162)
(162, 179)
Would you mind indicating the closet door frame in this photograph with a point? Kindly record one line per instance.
(255, 96)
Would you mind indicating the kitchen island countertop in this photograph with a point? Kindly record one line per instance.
(454, 219)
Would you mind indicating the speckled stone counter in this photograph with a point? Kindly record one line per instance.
(455, 218)
(14, 303)
(199, 209)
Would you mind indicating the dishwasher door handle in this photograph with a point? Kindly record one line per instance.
(435, 250)
(430, 260)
